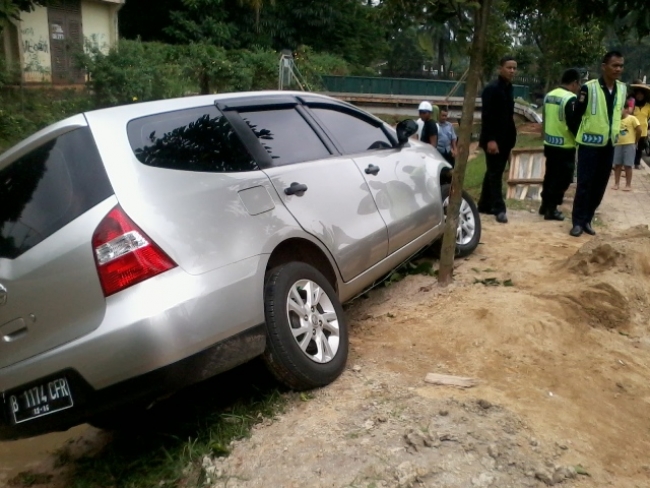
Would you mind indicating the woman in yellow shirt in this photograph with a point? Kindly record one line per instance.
(642, 113)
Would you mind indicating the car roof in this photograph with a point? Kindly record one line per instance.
(129, 112)
(122, 114)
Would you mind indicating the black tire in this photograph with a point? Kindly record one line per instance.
(283, 355)
(462, 250)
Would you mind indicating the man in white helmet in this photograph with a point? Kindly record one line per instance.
(427, 128)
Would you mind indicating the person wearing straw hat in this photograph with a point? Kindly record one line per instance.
(642, 113)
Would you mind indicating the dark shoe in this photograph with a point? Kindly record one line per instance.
(576, 231)
(589, 229)
(502, 218)
(554, 214)
(542, 209)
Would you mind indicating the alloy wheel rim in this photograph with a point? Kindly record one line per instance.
(466, 222)
(313, 321)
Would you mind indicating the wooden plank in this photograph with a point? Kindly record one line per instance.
(448, 380)
(526, 181)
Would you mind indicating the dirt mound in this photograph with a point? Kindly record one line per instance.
(600, 305)
(594, 285)
(628, 252)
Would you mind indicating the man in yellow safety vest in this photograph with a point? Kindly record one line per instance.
(560, 129)
(600, 106)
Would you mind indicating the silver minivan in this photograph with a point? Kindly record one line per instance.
(147, 247)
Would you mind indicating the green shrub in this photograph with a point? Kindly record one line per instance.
(136, 71)
(313, 65)
(140, 71)
(24, 111)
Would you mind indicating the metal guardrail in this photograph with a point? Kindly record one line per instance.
(401, 86)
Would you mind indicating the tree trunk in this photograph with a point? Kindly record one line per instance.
(445, 273)
(441, 56)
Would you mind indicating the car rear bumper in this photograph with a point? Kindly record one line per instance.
(174, 329)
(89, 403)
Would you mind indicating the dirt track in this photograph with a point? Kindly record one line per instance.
(562, 358)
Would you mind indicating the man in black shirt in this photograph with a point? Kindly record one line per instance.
(600, 104)
(498, 137)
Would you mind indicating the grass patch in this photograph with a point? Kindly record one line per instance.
(200, 421)
(25, 111)
(30, 478)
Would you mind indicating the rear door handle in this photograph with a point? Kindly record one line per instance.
(297, 189)
(372, 170)
(14, 330)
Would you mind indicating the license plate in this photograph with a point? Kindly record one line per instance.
(44, 399)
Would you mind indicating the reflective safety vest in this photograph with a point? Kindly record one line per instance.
(596, 128)
(556, 130)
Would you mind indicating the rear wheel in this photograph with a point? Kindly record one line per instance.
(307, 334)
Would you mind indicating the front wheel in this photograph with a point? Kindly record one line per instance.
(307, 334)
(468, 234)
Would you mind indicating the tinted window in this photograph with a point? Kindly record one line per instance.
(286, 136)
(199, 139)
(48, 188)
(353, 134)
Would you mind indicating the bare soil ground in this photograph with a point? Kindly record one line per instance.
(561, 356)
(556, 331)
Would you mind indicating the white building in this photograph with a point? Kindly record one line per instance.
(43, 43)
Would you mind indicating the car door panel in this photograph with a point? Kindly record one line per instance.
(327, 195)
(337, 208)
(403, 182)
(406, 193)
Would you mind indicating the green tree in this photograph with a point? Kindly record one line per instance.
(551, 27)
(481, 15)
(257, 6)
(203, 21)
(499, 40)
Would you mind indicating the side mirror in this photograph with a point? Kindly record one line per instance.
(405, 129)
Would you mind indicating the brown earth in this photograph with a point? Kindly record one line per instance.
(561, 356)
(557, 332)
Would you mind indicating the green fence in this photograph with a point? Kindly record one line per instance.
(402, 86)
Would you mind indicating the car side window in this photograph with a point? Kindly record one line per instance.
(353, 134)
(48, 188)
(286, 136)
(198, 139)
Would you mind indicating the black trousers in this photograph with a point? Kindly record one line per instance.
(594, 168)
(560, 166)
(491, 200)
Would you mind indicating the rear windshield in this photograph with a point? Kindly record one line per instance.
(48, 188)
(196, 139)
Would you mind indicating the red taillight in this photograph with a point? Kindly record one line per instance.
(124, 254)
